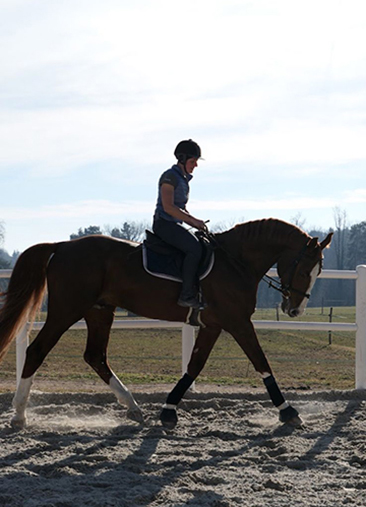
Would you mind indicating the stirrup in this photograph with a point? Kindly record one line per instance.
(191, 302)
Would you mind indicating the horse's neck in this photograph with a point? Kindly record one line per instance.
(261, 243)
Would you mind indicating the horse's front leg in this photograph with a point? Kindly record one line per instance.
(99, 322)
(205, 341)
(248, 341)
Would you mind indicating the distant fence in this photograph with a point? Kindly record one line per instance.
(188, 332)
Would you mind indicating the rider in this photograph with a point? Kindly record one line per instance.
(171, 211)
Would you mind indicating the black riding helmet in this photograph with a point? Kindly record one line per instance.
(187, 149)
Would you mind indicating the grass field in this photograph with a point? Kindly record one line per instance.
(301, 360)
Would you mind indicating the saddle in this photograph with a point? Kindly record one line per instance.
(165, 261)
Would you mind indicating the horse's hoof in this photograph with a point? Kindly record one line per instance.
(290, 416)
(18, 423)
(295, 422)
(135, 414)
(169, 418)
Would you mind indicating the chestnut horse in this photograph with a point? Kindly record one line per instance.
(91, 276)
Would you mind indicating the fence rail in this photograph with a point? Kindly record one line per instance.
(188, 332)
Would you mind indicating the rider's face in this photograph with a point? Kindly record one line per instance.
(190, 165)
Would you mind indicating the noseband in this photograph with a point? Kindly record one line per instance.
(284, 289)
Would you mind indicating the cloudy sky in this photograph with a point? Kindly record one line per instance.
(94, 96)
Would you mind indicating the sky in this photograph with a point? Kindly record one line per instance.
(95, 95)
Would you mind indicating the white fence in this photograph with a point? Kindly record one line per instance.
(188, 332)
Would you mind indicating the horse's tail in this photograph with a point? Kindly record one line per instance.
(25, 292)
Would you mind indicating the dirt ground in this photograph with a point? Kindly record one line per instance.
(228, 449)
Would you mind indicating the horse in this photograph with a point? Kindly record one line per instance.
(90, 277)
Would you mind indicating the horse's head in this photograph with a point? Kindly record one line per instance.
(298, 272)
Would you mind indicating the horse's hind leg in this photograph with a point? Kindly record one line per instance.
(20, 401)
(99, 322)
(36, 353)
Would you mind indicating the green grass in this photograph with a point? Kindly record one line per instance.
(299, 359)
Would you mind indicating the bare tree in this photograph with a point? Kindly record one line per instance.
(223, 225)
(2, 233)
(4, 257)
(357, 245)
(340, 236)
(132, 231)
(298, 220)
(88, 231)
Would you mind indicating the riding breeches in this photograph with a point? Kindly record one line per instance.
(176, 235)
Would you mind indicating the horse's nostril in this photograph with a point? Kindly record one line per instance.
(294, 312)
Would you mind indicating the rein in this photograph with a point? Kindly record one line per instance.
(284, 289)
(269, 280)
(215, 244)
(275, 284)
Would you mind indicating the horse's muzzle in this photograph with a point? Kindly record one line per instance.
(294, 312)
(286, 308)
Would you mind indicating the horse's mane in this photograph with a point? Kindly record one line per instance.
(270, 230)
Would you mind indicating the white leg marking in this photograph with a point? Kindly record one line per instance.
(122, 393)
(313, 277)
(20, 401)
(124, 396)
(283, 406)
(265, 375)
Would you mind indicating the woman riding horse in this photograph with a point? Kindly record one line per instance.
(171, 212)
(89, 277)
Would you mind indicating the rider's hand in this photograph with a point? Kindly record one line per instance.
(199, 224)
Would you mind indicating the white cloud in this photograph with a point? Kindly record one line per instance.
(115, 84)
(97, 84)
(291, 203)
(82, 209)
(105, 208)
(356, 196)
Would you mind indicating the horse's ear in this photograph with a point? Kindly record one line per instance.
(312, 243)
(326, 242)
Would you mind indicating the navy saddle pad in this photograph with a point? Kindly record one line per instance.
(165, 261)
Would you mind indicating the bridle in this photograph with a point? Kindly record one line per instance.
(285, 289)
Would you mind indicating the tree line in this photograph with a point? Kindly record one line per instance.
(132, 231)
(348, 249)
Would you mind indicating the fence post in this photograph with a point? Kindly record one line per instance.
(22, 342)
(330, 320)
(360, 372)
(188, 340)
